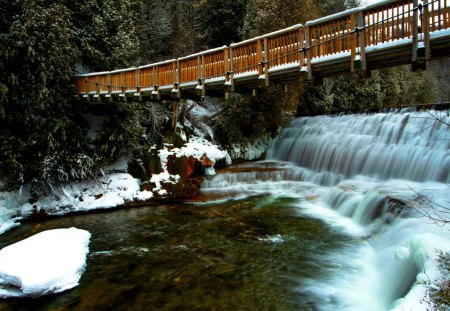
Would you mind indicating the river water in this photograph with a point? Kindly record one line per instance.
(332, 220)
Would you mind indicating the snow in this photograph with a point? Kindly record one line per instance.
(333, 16)
(196, 147)
(422, 249)
(294, 65)
(253, 151)
(440, 33)
(387, 45)
(113, 189)
(49, 262)
(215, 80)
(165, 177)
(246, 75)
(327, 58)
(282, 31)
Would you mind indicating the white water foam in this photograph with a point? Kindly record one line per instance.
(373, 177)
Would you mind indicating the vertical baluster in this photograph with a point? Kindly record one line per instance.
(301, 41)
(308, 52)
(349, 35)
(426, 30)
(433, 22)
(446, 14)
(403, 21)
(397, 27)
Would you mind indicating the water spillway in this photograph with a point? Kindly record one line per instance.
(412, 146)
(372, 176)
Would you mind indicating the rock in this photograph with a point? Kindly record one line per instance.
(206, 162)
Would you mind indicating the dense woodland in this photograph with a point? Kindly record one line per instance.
(43, 136)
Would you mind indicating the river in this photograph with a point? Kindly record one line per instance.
(332, 220)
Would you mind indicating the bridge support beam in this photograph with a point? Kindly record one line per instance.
(421, 36)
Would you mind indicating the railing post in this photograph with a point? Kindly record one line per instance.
(301, 46)
(415, 30)
(266, 62)
(308, 54)
(362, 64)
(156, 95)
(420, 36)
(123, 96)
(86, 87)
(259, 57)
(176, 91)
(138, 95)
(200, 88)
(353, 39)
(108, 97)
(426, 28)
(229, 83)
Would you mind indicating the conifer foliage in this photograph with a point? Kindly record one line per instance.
(42, 137)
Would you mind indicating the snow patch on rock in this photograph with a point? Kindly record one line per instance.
(46, 263)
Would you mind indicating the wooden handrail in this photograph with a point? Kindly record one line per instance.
(345, 34)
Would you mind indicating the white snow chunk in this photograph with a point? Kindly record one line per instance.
(49, 262)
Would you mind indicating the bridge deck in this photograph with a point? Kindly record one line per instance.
(383, 34)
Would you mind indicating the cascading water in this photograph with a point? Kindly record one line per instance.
(371, 176)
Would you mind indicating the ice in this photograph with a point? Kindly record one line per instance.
(49, 262)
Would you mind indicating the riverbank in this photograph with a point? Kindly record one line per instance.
(182, 170)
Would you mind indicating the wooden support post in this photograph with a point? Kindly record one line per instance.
(266, 62)
(203, 73)
(138, 95)
(176, 90)
(362, 64)
(175, 106)
(229, 83)
(426, 28)
(301, 46)
(154, 75)
(308, 54)
(415, 33)
(122, 96)
(176, 71)
(108, 97)
(259, 57)
(353, 39)
(200, 88)
(420, 36)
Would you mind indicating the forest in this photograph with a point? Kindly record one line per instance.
(43, 43)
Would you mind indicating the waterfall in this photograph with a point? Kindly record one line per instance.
(372, 176)
(412, 146)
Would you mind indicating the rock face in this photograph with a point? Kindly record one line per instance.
(190, 172)
(49, 262)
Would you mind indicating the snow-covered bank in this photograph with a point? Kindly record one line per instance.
(114, 188)
(49, 262)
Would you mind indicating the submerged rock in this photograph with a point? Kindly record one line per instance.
(49, 262)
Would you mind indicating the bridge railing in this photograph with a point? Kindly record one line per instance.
(245, 56)
(283, 46)
(215, 63)
(343, 36)
(147, 76)
(389, 23)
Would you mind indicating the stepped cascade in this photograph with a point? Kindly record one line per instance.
(372, 176)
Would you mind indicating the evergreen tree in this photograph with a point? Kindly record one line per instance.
(105, 32)
(218, 22)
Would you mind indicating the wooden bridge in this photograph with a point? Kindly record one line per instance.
(380, 35)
